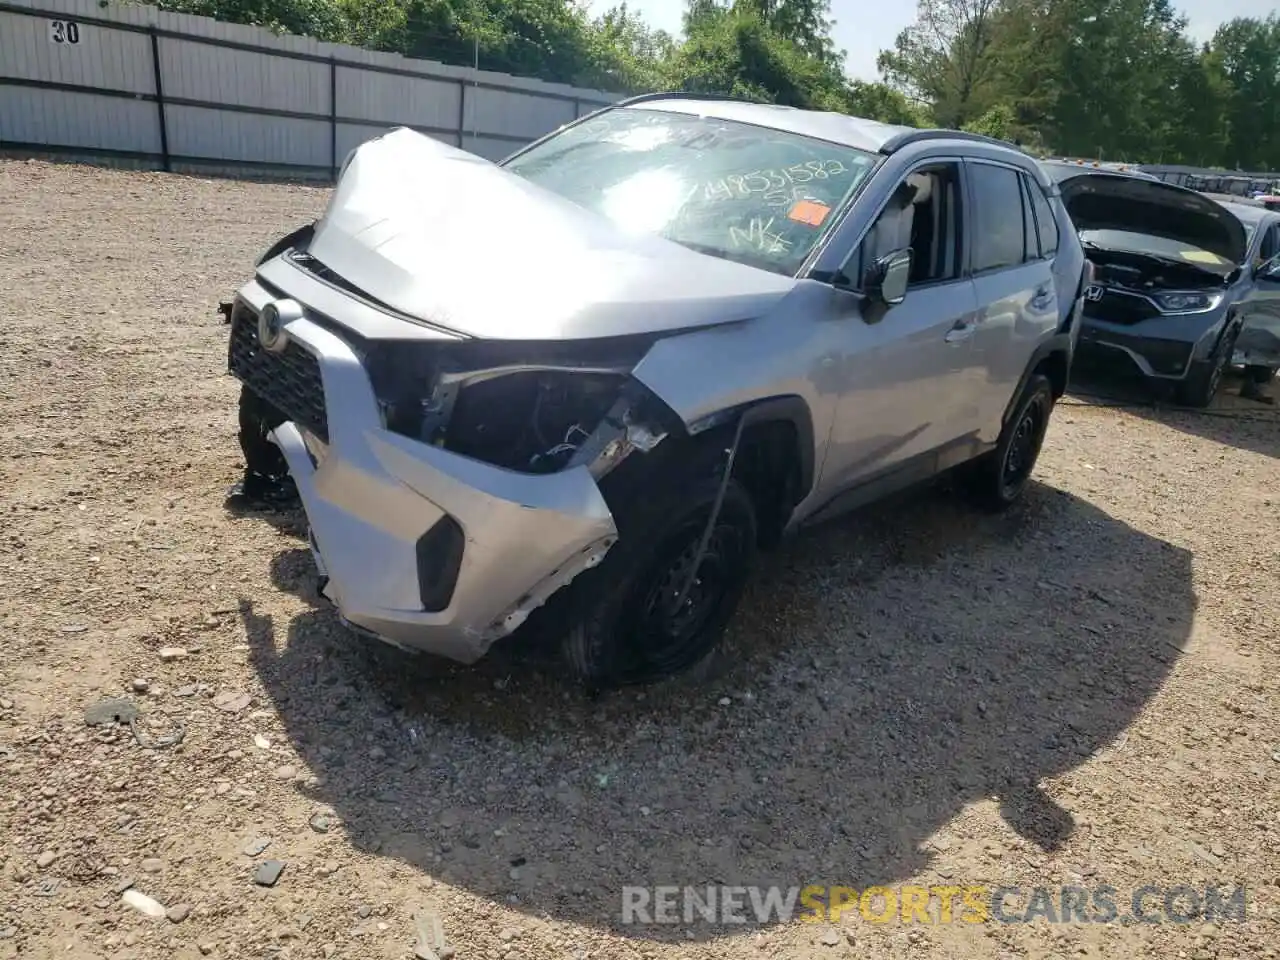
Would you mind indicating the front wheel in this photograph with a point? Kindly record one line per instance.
(660, 602)
(1256, 373)
(1205, 376)
(999, 477)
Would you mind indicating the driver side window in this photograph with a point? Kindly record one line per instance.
(923, 216)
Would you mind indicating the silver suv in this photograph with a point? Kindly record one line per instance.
(592, 380)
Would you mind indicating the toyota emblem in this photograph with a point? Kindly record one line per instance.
(1093, 292)
(271, 333)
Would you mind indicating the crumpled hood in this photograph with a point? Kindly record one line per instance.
(1099, 201)
(451, 239)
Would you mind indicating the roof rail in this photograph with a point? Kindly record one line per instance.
(908, 137)
(687, 95)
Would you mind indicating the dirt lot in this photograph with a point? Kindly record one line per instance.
(1081, 693)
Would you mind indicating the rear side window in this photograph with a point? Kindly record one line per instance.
(999, 237)
(1046, 225)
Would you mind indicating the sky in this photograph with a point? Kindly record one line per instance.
(865, 27)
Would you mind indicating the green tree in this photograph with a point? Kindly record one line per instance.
(321, 19)
(1110, 78)
(806, 23)
(942, 59)
(737, 53)
(1245, 56)
(627, 53)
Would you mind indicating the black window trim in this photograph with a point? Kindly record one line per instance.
(1032, 183)
(1031, 249)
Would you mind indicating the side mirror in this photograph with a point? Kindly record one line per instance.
(886, 279)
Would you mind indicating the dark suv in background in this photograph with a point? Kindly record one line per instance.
(1178, 276)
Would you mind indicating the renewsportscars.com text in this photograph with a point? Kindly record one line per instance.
(976, 903)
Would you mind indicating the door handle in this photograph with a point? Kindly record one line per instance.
(960, 332)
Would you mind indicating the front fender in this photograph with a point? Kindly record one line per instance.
(772, 368)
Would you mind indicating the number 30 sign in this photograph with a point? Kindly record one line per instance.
(64, 31)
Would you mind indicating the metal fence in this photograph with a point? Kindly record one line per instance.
(135, 84)
(1241, 183)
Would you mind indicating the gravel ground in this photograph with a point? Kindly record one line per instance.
(1082, 692)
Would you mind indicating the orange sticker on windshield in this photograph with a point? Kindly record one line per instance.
(810, 212)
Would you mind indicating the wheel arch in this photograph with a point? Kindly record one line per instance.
(1051, 358)
(775, 460)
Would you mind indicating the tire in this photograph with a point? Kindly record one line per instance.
(1203, 379)
(1259, 374)
(998, 478)
(615, 635)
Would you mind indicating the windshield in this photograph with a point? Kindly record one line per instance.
(1127, 242)
(733, 190)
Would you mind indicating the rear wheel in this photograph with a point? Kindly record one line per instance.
(999, 478)
(659, 603)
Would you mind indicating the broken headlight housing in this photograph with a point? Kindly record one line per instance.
(1191, 301)
(297, 239)
(531, 408)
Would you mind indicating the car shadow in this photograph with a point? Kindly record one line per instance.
(1231, 419)
(885, 671)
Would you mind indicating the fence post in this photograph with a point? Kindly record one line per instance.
(333, 116)
(462, 114)
(164, 127)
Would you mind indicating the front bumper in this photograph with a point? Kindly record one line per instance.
(371, 496)
(1162, 348)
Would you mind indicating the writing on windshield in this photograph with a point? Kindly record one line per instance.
(743, 192)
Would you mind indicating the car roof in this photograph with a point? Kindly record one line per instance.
(857, 132)
(1060, 170)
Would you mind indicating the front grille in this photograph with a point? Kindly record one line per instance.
(1125, 308)
(290, 381)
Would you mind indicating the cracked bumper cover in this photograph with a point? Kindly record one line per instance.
(370, 495)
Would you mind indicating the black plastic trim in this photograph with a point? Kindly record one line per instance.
(439, 558)
(689, 95)
(793, 410)
(1059, 343)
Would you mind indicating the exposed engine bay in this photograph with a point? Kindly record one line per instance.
(532, 421)
(532, 408)
(1148, 273)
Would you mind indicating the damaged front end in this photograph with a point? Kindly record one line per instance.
(533, 408)
(451, 485)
